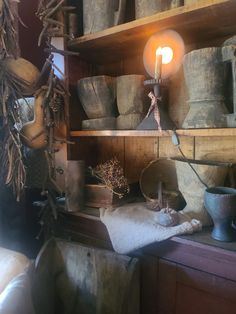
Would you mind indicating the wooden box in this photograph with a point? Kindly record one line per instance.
(98, 195)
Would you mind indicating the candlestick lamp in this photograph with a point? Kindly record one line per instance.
(162, 57)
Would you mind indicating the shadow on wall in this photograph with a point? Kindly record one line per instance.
(28, 34)
(18, 222)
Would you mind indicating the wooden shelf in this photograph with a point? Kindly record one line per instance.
(199, 22)
(154, 133)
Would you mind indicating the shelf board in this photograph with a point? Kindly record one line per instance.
(155, 133)
(197, 22)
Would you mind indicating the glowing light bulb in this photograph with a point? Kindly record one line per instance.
(166, 53)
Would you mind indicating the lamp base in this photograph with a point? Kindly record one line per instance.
(150, 123)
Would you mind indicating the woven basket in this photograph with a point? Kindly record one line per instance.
(158, 184)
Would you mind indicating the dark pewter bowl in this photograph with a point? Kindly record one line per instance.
(220, 203)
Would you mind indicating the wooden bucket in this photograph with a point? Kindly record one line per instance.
(99, 124)
(129, 121)
(192, 189)
(204, 76)
(102, 14)
(149, 7)
(130, 94)
(97, 95)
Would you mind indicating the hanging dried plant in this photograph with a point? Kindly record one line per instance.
(15, 81)
(8, 23)
(12, 87)
(50, 13)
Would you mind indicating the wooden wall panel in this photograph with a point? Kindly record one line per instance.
(167, 149)
(216, 148)
(190, 300)
(110, 147)
(220, 287)
(149, 284)
(96, 150)
(85, 148)
(166, 287)
(112, 69)
(138, 153)
(134, 65)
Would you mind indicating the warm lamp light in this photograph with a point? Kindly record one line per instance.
(171, 47)
(162, 57)
(167, 54)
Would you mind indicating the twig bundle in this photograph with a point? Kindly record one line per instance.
(111, 174)
(8, 35)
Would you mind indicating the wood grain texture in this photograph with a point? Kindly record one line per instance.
(138, 153)
(88, 280)
(167, 149)
(148, 133)
(199, 22)
(204, 257)
(166, 287)
(149, 284)
(220, 287)
(201, 302)
(216, 148)
(96, 150)
(74, 185)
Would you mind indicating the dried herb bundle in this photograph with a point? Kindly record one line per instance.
(111, 174)
(12, 167)
(50, 13)
(8, 35)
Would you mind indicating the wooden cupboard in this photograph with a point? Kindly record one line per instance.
(185, 274)
(193, 274)
(118, 51)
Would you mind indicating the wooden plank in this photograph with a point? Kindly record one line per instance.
(95, 150)
(85, 149)
(204, 238)
(87, 280)
(149, 133)
(203, 20)
(168, 149)
(109, 148)
(131, 133)
(216, 148)
(166, 287)
(149, 285)
(138, 153)
(197, 279)
(189, 300)
(82, 223)
(209, 258)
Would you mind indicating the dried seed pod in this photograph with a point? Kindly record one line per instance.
(24, 71)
